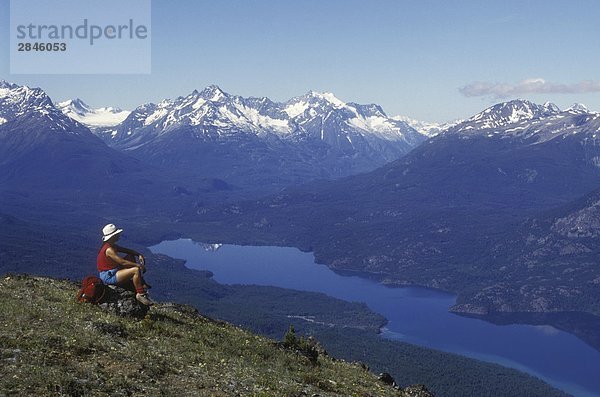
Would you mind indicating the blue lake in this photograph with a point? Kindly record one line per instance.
(416, 315)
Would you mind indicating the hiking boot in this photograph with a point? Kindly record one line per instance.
(143, 299)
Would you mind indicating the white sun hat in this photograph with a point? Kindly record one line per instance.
(109, 231)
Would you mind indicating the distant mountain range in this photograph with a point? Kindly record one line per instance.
(438, 212)
(458, 213)
(253, 144)
(257, 140)
(47, 156)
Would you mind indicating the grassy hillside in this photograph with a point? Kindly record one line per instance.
(52, 345)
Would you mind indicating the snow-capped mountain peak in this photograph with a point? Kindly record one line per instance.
(510, 112)
(213, 93)
(328, 97)
(551, 107)
(318, 102)
(16, 100)
(577, 108)
(530, 123)
(22, 101)
(76, 106)
(506, 113)
(323, 115)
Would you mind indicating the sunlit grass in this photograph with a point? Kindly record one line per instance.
(52, 345)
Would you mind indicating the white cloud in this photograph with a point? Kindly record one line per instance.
(528, 86)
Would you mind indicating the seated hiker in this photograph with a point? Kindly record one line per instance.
(118, 270)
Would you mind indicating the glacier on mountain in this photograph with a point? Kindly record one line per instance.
(100, 117)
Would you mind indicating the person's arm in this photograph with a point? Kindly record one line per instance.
(112, 254)
(130, 252)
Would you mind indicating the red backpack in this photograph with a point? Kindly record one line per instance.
(92, 290)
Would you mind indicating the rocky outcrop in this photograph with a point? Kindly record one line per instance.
(387, 379)
(410, 391)
(123, 303)
(417, 391)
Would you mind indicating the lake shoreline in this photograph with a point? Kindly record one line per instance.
(485, 314)
(584, 330)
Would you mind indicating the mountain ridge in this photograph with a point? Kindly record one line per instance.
(255, 139)
(529, 122)
(261, 115)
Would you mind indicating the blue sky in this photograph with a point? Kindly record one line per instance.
(430, 60)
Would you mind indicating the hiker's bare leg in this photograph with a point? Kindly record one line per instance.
(131, 273)
(135, 274)
(132, 258)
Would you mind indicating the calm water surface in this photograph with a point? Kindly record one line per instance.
(416, 315)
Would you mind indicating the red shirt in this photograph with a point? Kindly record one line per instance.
(104, 262)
